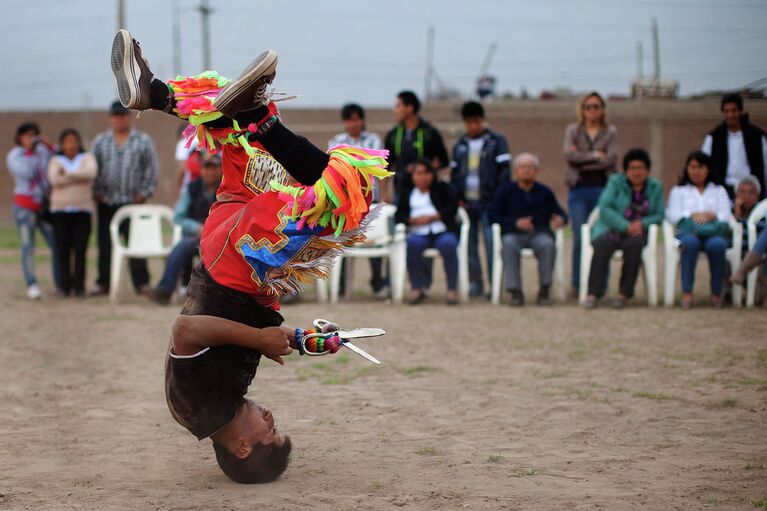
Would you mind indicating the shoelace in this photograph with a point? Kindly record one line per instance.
(262, 96)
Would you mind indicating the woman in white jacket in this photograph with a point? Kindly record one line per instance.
(701, 212)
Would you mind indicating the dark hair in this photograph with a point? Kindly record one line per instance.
(71, 131)
(409, 98)
(472, 109)
(351, 109)
(26, 127)
(703, 159)
(636, 155)
(265, 463)
(732, 98)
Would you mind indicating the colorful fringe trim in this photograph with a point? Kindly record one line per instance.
(339, 197)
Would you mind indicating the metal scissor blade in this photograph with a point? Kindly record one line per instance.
(360, 352)
(357, 333)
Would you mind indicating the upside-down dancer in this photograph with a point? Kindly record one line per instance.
(265, 235)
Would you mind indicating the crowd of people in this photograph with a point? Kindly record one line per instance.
(59, 187)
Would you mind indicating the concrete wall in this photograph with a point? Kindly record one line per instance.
(669, 130)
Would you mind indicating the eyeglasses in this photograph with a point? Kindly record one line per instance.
(592, 106)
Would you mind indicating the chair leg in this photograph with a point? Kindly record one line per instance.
(669, 280)
(115, 275)
(650, 279)
(586, 255)
(751, 287)
(497, 278)
(335, 280)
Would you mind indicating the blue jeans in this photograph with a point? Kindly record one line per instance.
(715, 247)
(181, 255)
(446, 243)
(478, 217)
(581, 201)
(26, 221)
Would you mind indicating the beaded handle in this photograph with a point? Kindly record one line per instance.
(314, 344)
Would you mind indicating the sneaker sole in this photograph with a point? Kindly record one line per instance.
(263, 65)
(126, 79)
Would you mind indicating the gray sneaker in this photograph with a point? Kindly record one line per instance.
(248, 91)
(131, 72)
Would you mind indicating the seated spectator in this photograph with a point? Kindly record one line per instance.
(191, 211)
(71, 173)
(629, 205)
(429, 208)
(527, 211)
(700, 210)
(747, 193)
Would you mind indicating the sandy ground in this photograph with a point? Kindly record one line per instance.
(475, 407)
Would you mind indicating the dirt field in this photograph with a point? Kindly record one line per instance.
(475, 407)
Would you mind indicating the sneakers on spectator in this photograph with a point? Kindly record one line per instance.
(33, 292)
(248, 91)
(517, 298)
(131, 72)
(383, 293)
(543, 296)
(591, 302)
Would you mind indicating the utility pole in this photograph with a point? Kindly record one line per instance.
(640, 60)
(429, 62)
(176, 39)
(120, 14)
(205, 12)
(656, 49)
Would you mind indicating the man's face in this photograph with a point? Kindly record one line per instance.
(211, 174)
(353, 125)
(474, 126)
(120, 122)
(402, 111)
(257, 424)
(731, 114)
(748, 195)
(526, 171)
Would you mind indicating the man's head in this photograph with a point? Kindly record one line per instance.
(473, 118)
(248, 449)
(353, 117)
(211, 171)
(747, 191)
(120, 118)
(732, 110)
(407, 105)
(27, 135)
(525, 167)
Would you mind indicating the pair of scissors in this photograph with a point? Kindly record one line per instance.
(344, 336)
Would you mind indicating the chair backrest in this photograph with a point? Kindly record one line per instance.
(378, 232)
(593, 217)
(145, 226)
(758, 213)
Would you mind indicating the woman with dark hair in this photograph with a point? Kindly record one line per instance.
(700, 210)
(630, 204)
(71, 173)
(429, 209)
(591, 151)
(27, 163)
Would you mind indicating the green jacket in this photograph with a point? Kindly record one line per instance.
(616, 198)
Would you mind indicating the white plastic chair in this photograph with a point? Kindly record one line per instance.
(145, 239)
(380, 243)
(754, 218)
(400, 234)
(672, 257)
(649, 260)
(497, 270)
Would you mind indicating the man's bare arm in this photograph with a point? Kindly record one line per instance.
(191, 334)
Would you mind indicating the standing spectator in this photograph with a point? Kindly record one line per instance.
(356, 134)
(191, 211)
(527, 212)
(480, 164)
(71, 173)
(700, 210)
(737, 147)
(127, 174)
(630, 204)
(188, 160)
(28, 163)
(591, 151)
(412, 139)
(429, 208)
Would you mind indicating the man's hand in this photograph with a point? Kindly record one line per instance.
(557, 221)
(275, 342)
(635, 229)
(600, 155)
(738, 207)
(703, 217)
(525, 224)
(139, 199)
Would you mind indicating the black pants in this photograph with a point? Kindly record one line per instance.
(604, 248)
(138, 267)
(71, 232)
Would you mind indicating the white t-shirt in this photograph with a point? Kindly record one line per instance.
(737, 161)
(421, 205)
(472, 191)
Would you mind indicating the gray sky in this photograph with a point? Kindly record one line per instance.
(56, 52)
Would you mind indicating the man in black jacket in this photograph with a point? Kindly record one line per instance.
(480, 164)
(737, 147)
